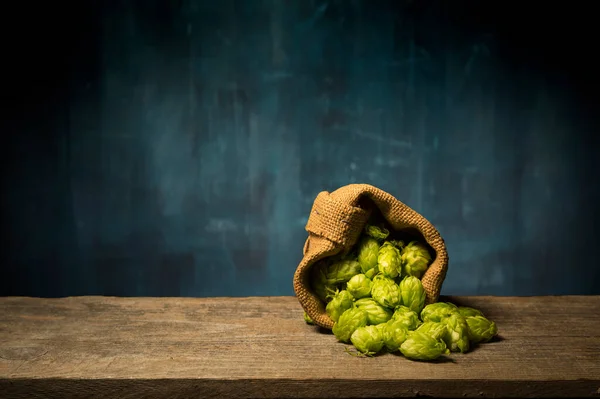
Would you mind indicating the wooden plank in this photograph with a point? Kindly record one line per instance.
(260, 347)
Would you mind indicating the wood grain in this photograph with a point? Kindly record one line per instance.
(108, 347)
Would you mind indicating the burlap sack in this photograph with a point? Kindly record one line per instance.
(335, 224)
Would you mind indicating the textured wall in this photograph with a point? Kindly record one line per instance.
(175, 147)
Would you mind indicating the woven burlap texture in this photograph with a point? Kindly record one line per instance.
(335, 224)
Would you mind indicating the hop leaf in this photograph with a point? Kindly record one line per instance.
(348, 322)
(388, 260)
(415, 259)
(438, 311)
(394, 334)
(376, 314)
(420, 346)
(307, 319)
(457, 333)
(413, 294)
(407, 317)
(385, 291)
(481, 329)
(469, 312)
(433, 329)
(341, 302)
(378, 233)
(368, 339)
(368, 251)
(359, 286)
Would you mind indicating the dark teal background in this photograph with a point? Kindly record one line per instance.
(175, 147)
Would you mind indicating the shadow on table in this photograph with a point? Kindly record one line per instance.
(442, 359)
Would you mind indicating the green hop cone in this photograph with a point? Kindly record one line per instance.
(341, 271)
(322, 290)
(359, 286)
(307, 319)
(469, 312)
(438, 311)
(409, 318)
(376, 314)
(368, 251)
(381, 326)
(348, 322)
(398, 244)
(378, 233)
(341, 302)
(388, 260)
(415, 259)
(368, 339)
(457, 333)
(481, 329)
(372, 272)
(433, 329)
(385, 291)
(412, 294)
(318, 281)
(400, 310)
(394, 334)
(420, 346)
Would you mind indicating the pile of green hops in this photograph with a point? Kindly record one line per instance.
(375, 297)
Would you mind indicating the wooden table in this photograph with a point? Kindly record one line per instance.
(105, 347)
